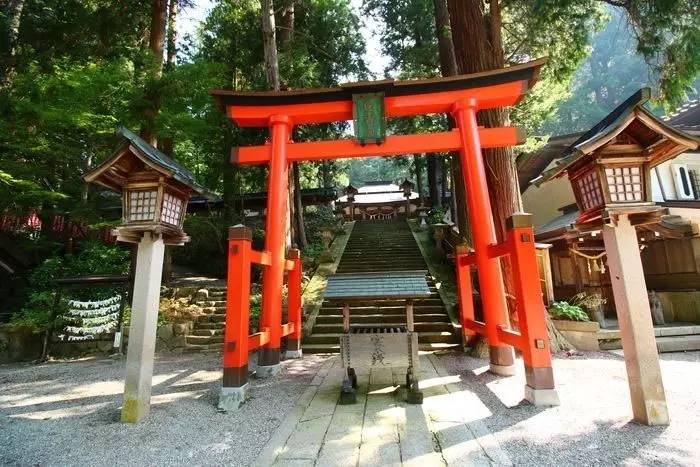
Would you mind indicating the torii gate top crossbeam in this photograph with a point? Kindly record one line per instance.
(498, 88)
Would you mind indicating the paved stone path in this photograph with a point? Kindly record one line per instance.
(381, 428)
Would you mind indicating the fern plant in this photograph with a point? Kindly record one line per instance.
(567, 311)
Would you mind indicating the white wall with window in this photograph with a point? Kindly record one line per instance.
(677, 179)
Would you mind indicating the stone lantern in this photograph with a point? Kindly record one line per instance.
(350, 192)
(407, 188)
(155, 191)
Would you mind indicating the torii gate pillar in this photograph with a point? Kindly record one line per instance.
(484, 234)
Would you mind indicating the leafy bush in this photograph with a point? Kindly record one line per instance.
(94, 259)
(567, 311)
(178, 310)
(437, 215)
(316, 219)
(206, 251)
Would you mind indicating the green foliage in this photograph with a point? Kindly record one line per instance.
(565, 310)
(437, 215)
(94, 259)
(206, 250)
(315, 219)
(255, 309)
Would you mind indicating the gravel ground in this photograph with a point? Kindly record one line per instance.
(67, 413)
(592, 426)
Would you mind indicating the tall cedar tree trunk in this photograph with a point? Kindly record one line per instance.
(272, 72)
(477, 42)
(171, 58)
(13, 13)
(419, 176)
(326, 176)
(156, 44)
(171, 53)
(296, 206)
(478, 47)
(433, 167)
(448, 67)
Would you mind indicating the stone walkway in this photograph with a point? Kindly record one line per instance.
(381, 428)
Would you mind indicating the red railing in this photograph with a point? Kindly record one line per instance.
(238, 343)
(60, 226)
(531, 338)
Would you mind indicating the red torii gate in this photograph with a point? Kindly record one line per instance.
(368, 102)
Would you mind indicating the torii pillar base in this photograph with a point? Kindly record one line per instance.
(231, 398)
(634, 315)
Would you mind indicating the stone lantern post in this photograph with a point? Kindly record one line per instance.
(407, 188)
(155, 191)
(351, 191)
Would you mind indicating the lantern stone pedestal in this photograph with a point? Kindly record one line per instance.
(142, 330)
(326, 238)
(634, 316)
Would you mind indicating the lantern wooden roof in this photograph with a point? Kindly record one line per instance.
(628, 129)
(135, 155)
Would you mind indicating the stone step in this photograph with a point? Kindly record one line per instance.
(194, 348)
(204, 340)
(335, 348)
(214, 309)
(214, 326)
(211, 303)
(419, 326)
(212, 318)
(678, 343)
(384, 303)
(423, 337)
(390, 310)
(383, 318)
(208, 331)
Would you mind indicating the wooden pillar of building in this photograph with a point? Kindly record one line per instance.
(634, 316)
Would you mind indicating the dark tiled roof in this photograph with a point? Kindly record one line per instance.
(404, 284)
(180, 173)
(686, 117)
(533, 164)
(557, 223)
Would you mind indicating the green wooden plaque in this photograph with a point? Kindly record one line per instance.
(368, 117)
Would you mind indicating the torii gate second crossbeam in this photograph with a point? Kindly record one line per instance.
(369, 104)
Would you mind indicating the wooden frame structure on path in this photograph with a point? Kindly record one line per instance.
(461, 97)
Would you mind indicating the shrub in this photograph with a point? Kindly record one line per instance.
(316, 219)
(437, 215)
(567, 311)
(94, 259)
(177, 310)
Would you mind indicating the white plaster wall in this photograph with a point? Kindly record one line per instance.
(663, 183)
(544, 202)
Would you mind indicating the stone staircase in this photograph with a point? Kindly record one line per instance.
(377, 246)
(671, 337)
(207, 333)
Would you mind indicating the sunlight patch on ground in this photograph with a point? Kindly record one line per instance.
(201, 376)
(439, 381)
(77, 410)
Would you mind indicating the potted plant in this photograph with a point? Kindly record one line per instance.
(571, 319)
